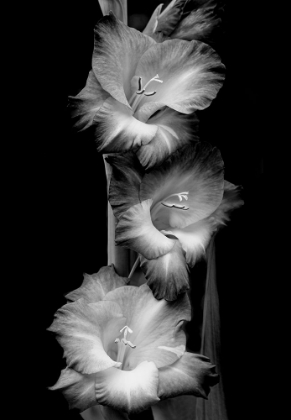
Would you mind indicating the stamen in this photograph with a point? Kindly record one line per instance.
(150, 93)
(139, 83)
(142, 89)
(124, 340)
(134, 101)
(176, 206)
(181, 195)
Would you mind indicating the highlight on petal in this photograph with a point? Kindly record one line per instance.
(174, 131)
(192, 374)
(167, 275)
(194, 239)
(117, 50)
(85, 332)
(96, 286)
(200, 22)
(78, 389)
(118, 130)
(125, 179)
(129, 391)
(156, 325)
(135, 230)
(192, 74)
(186, 188)
(86, 104)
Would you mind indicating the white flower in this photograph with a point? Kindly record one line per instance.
(125, 349)
(169, 214)
(140, 92)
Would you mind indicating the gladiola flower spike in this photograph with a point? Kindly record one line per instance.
(104, 367)
(185, 19)
(140, 92)
(169, 214)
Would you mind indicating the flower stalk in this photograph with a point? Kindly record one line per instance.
(116, 255)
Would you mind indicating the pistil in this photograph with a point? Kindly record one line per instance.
(123, 343)
(135, 100)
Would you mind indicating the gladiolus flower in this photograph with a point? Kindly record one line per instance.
(124, 349)
(184, 19)
(169, 214)
(140, 92)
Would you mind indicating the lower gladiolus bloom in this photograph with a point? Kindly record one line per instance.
(124, 349)
(169, 214)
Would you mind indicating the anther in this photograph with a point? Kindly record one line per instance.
(141, 90)
(124, 340)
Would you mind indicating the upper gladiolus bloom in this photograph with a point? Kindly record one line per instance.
(169, 214)
(141, 92)
(125, 349)
(184, 19)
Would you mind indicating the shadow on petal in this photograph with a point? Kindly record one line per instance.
(182, 408)
(192, 374)
(167, 276)
(79, 390)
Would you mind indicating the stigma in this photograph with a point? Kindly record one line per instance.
(124, 340)
(142, 90)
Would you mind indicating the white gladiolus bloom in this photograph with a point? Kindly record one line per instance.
(124, 349)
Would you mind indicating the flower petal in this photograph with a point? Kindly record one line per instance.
(194, 239)
(167, 275)
(199, 23)
(117, 50)
(78, 389)
(230, 201)
(111, 414)
(192, 374)
(191, 73)
(156, 325)
(174, 131)
(182, 407)
(86, 332)
(196, 170)
(135, 230)
(118, 7)
(96, 286)
(162, 24)
(118, 130)
(93, 413)
(129, 391)
(86, 104)
(124, 183)
(152, 23)
(169, 18)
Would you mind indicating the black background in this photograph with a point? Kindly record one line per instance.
(70, 210)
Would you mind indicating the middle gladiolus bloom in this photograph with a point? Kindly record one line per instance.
(124, 349)
(169, 214)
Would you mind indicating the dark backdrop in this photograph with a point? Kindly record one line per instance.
(71, 222)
